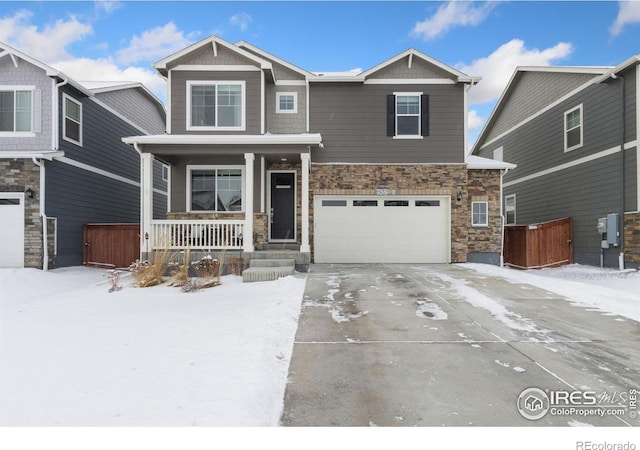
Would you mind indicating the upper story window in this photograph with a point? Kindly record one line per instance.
(72, 125)
(17, 110)
(573, 128)
(408, 115)
(287, 102)
(215, 105)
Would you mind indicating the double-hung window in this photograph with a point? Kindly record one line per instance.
(72, 125)
(216, 105)
(573, 128)
(510, 209)
(408, 115)
(16, 110)
(211, 188)
(479, 214)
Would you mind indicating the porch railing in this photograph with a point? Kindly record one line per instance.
(197, 234)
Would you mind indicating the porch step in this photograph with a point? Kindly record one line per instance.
(268, 269)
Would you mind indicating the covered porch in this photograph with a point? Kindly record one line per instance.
(248, 195)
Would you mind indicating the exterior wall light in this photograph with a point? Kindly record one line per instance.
(29, 192)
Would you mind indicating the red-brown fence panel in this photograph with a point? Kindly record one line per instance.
(111, 244)
(539, 245)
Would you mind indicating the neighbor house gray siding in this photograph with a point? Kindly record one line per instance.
(586, 190)
(26, 74)
(136, 106)
(352, 119)
(253, 95)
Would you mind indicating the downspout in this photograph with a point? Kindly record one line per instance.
(45, 234)
(622, 175)
(502, 174)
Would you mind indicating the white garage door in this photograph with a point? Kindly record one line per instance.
(382, 229)
(12, 226)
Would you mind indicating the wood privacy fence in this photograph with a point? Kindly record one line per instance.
(539, 245)
(111, 244)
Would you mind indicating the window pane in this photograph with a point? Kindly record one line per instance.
(72, 130)
(573, 119)
(573, 137)
(229, 105)
(427, 202)
(396, 203)
(408, 104)
(229, 185)
(408, 125)
(203, 196)
(23, 111)
(203, 106)
(72, 110)
(286, 103)
(6, 110)
(479, 213)
(334, 203)
(365, 203)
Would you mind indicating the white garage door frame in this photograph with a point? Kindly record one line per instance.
(381, 229)
(12, 226)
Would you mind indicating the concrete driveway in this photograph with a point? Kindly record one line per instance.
(432, 345)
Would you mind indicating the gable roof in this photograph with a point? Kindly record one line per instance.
(214, 41)
(268, 56)
(584, 76)
(8, 51)
(99, 87)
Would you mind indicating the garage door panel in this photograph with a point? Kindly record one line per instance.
(396, 229)
(12, 226)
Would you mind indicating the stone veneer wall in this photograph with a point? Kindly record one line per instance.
(632, 239)
(423, 179)
(17, 176)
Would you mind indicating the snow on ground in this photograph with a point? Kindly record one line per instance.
(71, 353)
(607, 290)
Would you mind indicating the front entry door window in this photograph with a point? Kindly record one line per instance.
(283, 198)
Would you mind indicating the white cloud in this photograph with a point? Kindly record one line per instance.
(86, 69)
(449, 15)
(155, 44)
(497, 68)
(474, 120)
(47, 44)
(241, 20)
(628, 13)
(107, 6)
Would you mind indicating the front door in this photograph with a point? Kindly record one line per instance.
(282, 226)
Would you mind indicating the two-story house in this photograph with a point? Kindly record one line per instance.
(63, 162)
(573, 134)
(332, 167)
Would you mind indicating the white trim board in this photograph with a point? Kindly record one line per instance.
(104, 173)
(564, 166)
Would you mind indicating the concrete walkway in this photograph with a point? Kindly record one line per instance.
(432, 345)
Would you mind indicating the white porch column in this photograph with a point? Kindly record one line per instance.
(249, 158)
(304, 245)
(146, 201)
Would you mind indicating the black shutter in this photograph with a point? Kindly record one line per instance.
(424, 115)
(391, 115)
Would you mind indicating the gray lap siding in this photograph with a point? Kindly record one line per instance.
(352, 119)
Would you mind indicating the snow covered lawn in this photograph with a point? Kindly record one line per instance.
(73, 354)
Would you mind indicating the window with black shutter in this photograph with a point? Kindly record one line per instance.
(408, 114)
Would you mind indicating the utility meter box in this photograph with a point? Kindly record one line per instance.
(602, 225)
(613, 229)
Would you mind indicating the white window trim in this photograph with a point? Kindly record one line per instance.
(242, 125)
(66, 97)
(192, 167)
(409, 136)
(165, 172)
(566, 113)
(287, 111)
(486, 224)
(506, 199)
(15, 88)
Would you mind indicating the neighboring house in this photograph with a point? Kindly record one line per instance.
(332, 167)
(573, 134)
(63, 162)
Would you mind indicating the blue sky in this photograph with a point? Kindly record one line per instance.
(120, 40)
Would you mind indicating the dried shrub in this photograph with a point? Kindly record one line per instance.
(150, 273)
(179, 273)
(209, 270)
(113, 276)
(236, 265)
